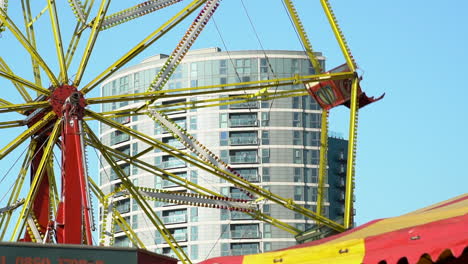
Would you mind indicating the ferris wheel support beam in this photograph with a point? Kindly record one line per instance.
(145, 43)
(350, 168)
(27, 46)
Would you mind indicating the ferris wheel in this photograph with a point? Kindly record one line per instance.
(49, 117)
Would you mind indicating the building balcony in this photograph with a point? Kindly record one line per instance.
(236, 141)
(244, 251)
(243, 122)
(243, 159)
(245, 234)
(245, 105)
(175, 219)
(240, 216)
(180, 237)
(172, 164)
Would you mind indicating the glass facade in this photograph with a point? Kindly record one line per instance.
(274, 144)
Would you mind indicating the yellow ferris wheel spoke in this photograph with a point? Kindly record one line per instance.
(150, 39)
(91, 41)
(28, 22)
(303, 36)
(23, 107)
(37, 178)
(338, 35)
(27, 45)
(221, 88)
(26, 134)
(10, 124)
(79, 27)
(17, 187)
(58, 40)
(21, 81)
(22, 91)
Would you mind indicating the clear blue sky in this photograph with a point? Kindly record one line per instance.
(412, 146)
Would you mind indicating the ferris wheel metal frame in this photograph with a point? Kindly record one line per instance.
(57, 118)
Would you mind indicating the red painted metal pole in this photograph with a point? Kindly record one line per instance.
(73, 220)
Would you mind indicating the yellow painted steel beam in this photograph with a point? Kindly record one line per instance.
(37, 178)
(27, 45)
(4, 222)
(150, 39)
(338, 34)
(10, 124)
(350, 166)
(91, 41)
(24, 82)
(23, 107)
(128, 230)
(303, 36)
(28, 22)
(242, 183)
(77, 34)
(58, 40)
(145, 207)
(26, 134)
(323, 162)
(221, 88)
(22, 91)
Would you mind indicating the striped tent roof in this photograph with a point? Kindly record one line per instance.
(435, 234)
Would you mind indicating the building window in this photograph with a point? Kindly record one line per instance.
(174, 216)
(223, 138)
(297, 156)
(193, 214)
(297, 139)
(265, 119)
(250, 174)
(223, 121)
(194, 176)
(194, 252)
(266, 230)
(193, 123)
(266, 246)
(296, 103)
(222, 67)
(265, 137)
(266, 174)
(297, 119)
(244, 249)
(243, 138)
(243, 120)
(244, 231)
(297, 175)
(265, 155)
(298, 190)
(134, 221)
(243, 156)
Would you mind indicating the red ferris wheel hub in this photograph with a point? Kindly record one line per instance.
(67, 96)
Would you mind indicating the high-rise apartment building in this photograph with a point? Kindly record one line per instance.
(274, 144)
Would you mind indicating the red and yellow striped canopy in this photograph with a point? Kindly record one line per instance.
(435, 233)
